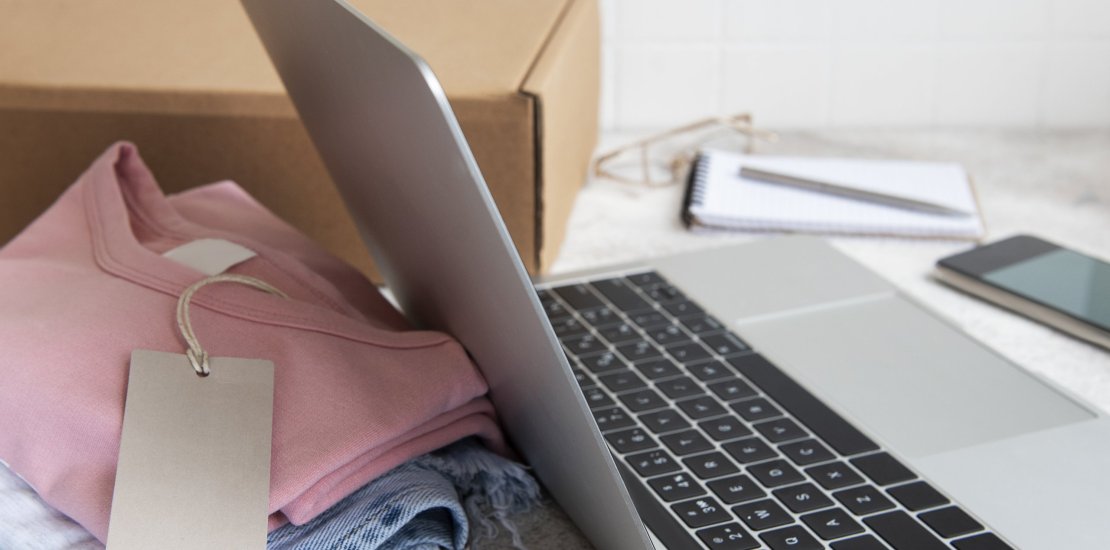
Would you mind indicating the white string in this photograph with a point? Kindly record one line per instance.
(196, 354)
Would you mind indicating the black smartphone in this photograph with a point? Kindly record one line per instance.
(1046, 282)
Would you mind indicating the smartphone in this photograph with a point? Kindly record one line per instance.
(1051, 284)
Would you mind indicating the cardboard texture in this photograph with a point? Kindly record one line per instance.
(190, 84)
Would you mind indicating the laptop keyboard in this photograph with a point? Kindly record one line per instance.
(722, 450)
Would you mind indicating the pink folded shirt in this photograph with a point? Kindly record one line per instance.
(357, 392)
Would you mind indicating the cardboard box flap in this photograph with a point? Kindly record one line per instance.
(206, 52)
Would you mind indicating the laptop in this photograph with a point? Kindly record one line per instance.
(770, 395)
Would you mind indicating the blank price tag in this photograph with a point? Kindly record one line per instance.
(194, 463)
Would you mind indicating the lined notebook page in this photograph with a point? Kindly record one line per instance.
(719, 197)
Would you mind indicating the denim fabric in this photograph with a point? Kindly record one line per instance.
(422, 504)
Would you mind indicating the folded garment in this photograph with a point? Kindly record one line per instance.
(356, 392)
(422, 504)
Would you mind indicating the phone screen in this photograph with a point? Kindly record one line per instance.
(1068, 281)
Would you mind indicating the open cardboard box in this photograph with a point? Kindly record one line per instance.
(191, 85)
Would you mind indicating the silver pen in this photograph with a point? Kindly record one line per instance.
(849, 192)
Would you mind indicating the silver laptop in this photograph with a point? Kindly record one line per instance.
(773, 395)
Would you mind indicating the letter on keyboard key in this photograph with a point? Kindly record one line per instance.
(750, 450)
(642, 400)
(652, 463)
(775, 473)
(736, 489)
(612, 419)
(701, 512)
(630, 441)
(863, 500)
(724, 428)
(763, 514)
(686, 442)
(832, 524)
(791, 538)
(834, 476)
(728, 537)
(666, 420)
(674, 487)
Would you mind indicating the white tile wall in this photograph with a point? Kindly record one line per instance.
(852, 63)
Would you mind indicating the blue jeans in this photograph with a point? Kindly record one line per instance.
(426, 503)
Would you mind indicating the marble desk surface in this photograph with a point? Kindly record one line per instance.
(1055, 185)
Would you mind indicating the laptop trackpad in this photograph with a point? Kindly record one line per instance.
(912, 380)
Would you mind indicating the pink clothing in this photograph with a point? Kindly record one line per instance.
(356, 391)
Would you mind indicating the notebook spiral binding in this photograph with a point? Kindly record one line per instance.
(695, 192)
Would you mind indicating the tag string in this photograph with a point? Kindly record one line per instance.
(196, 354)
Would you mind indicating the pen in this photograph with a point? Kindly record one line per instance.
(810, 184)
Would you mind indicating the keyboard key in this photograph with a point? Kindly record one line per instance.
(612, 419)
(986, 541)
(755, 409)
(791, 538)
(677, 388)
(667, 334)
(674, 487)
(683, 308)
(711, 370)
(664, 524)
(686, 442)
(780, 430)
(917, 496)
(642, 400)
(663, 293)
(728, 537)
(569, 327)
(865, 542)
(882, 469)
(619, 333)
(736, 489)
(639, 351)
(775, 473)
(555, 310)
(750, 450)
(622, 381)
(648, 319)
(649, 278)
(863, 500)
(583, 344)
(596, 398)
(702, 324)
(630, 441)
(599, 316)
(832, 524)
(806, 452)
(710, 465)
(658, 368)
(763, 514)
(578, 296)
(701, 407)
(811, 412)
(950, 522)
(666, 420)
(688, 353)
(902, 532)
(652, 463)
(622, 295)
(834, 476)
(722, 429)
(803, 498)
(582, 378)
(701, 512)
(602, 362)
(724, 344)
(731, 390)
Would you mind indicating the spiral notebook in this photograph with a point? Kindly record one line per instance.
(718, 197)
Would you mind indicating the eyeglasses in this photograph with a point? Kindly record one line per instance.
(665, 158)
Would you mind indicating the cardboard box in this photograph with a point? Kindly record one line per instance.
(190, 84)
